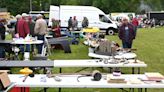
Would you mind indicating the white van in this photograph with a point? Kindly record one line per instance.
(96, 17)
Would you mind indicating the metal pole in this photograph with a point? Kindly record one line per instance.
(30, 5)
(40, 5)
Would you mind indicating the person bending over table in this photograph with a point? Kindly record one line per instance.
(23, 30)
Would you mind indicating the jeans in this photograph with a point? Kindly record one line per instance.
(39, 46)
(27, 49)
(126, 44)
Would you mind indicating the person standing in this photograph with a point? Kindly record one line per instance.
(22, 26)
(85, 22)
(18, 17)
(31, 25)
(23, 30)
(135, 23)
(2, 37)
(70, 24)
(40, 30)
(74, 23)
(126, 33)
(2, 29)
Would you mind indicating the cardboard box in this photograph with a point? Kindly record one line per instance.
(4, 79)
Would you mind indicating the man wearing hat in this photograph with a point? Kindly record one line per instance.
(40, 30)
(18, 17)
(23, 30)
(22, 26)
(127, 33)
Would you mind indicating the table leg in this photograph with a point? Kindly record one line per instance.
(59, 90)
(133, 70)
(145, 89)
(44, 70)
(110, 70)
(139, 70)
(45, 89)
(139, 89)
(132, 90)
(60, 70)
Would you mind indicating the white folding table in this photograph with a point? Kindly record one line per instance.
(72, 63)
(98, 63)
(24, 42)
(70, 81)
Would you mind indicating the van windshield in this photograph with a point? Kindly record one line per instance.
(103, 18)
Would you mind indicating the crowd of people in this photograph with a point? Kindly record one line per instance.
(25, 25)
(73, 23)
(127, 28)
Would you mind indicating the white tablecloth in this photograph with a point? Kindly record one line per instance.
(70, 81)
(27, 42)
(95, 63)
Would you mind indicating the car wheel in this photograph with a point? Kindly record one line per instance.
(110, 32)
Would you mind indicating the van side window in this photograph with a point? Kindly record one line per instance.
(103, 18)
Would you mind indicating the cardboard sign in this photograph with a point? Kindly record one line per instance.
(4, 80)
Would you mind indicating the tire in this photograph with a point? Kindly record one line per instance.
(110, 32)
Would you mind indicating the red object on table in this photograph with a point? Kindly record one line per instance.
(20, 89)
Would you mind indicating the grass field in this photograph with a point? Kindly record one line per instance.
(150, 49)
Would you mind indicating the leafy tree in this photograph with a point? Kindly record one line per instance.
(20, 6)
(16, 6)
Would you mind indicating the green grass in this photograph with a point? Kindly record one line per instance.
(78, 52)
(150, 49)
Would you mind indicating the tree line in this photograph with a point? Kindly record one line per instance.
(19, 6)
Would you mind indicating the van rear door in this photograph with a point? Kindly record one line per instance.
(54, 13)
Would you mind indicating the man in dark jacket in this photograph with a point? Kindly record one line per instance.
(126, 33)
(70, 24)
(2, 29)
(85, 22)
(2, 37)
(31, 25)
